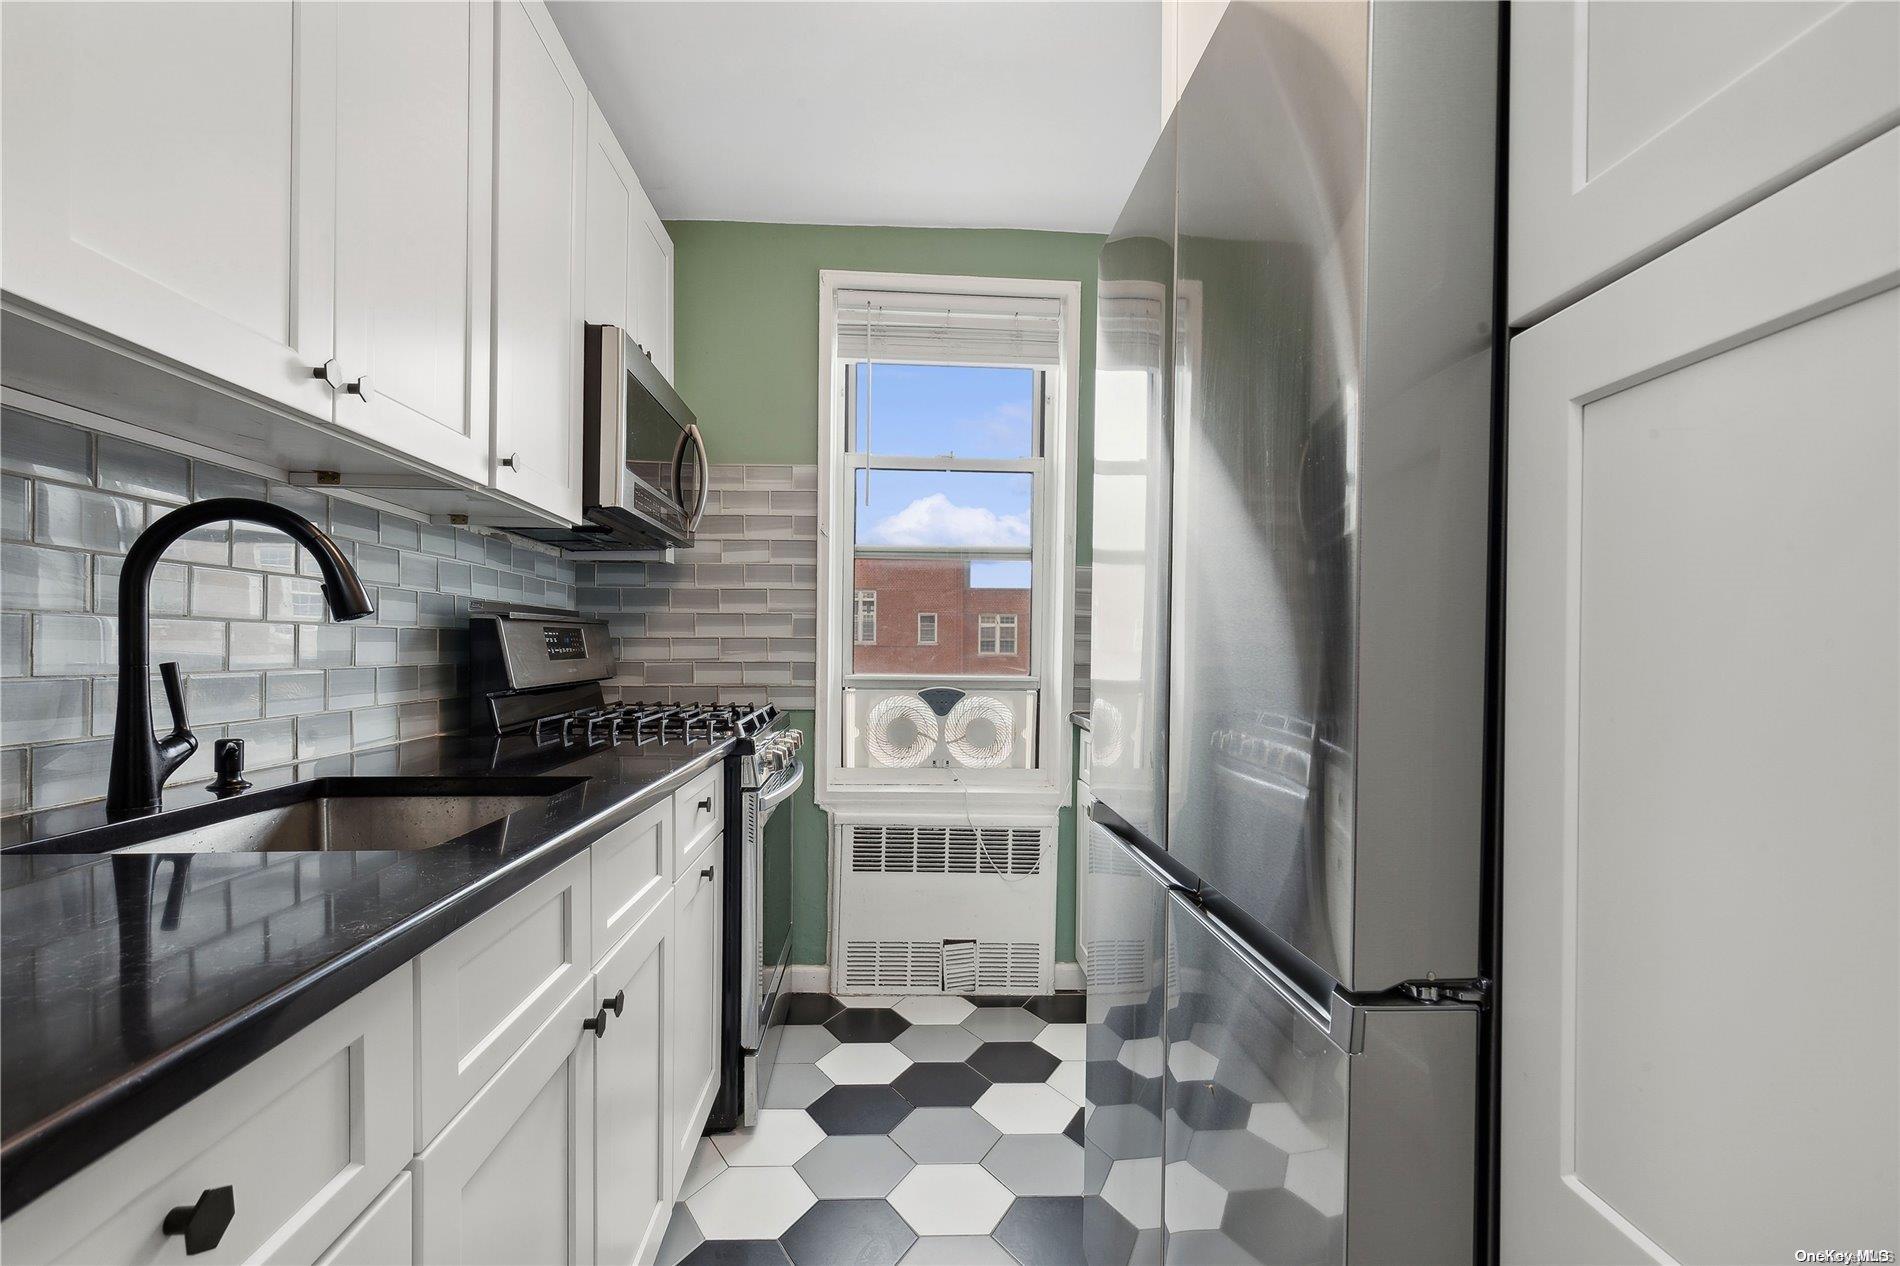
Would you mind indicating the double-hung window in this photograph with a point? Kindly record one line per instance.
(947, 503)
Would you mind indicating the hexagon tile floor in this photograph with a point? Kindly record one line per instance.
(933, 1129)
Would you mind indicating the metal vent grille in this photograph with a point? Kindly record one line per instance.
(896, 849)
(1119, 963)
(1007, 967)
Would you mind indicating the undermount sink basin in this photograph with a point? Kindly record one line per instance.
(326, 815)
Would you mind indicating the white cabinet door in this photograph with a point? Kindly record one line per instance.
(1701, 838)
(1634, 126)
(633, 1146)
(415, 168)
(168, 181)
(512, 1178)
(612, 191)
(694, 1027)
(540, 170)
(386, 1233)
(653, 286)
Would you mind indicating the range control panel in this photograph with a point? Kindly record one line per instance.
(564, 642)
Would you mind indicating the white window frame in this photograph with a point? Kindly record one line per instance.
(935, 624)
(863, 604)
(1052, 544)
(994, 623)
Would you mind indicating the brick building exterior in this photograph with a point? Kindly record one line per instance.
(966, 642)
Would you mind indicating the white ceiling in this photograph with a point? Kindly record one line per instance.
(984, 115)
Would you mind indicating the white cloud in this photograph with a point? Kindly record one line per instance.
(937, 520)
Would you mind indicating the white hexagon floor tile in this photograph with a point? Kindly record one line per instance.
(1064, 1041)
(957, 1250)
(1319, 1178)
(750, 1203)
(1133, 1189)
(1188, 1062)
(864, 1064)
(1143, 1055)
(935, 1009)
(1191, 1201)
(707, 1164)
(951, 1200)
(1281, 1126)
(1070, 1079)
(781, 1137)
(1026, 1108)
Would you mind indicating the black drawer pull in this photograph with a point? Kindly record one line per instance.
(706, 805)
(706, 873)
(203, 1224)
(617, 1003)
(597, 1025)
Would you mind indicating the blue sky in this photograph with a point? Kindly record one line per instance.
(947, 410)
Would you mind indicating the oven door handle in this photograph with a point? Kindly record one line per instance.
(793, 778)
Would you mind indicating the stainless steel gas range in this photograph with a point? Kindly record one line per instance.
(536, 678)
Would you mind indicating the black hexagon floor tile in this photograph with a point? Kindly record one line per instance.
(1106, 1235)
(1041, 1230)
(1013, 1061)
(861, 1232)
(1073, 1130)
(941, 1085)
(1060, 1008)
(994, 1000)
(736, 1253)
(811, 1008)
(866, 1024)
(859, 1110)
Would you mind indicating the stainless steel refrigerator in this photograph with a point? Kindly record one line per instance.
(1286, 928)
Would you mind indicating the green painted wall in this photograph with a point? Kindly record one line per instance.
(746, 334)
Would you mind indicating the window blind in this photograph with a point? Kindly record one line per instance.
(948, 329)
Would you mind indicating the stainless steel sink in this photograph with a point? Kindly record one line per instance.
(331, 815)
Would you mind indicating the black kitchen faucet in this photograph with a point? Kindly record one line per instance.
(141, 761)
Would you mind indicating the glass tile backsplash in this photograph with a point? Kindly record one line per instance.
(238, 606)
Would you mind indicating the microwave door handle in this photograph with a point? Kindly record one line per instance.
(705, 477)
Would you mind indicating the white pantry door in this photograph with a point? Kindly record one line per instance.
(1700, 980)
(165, 178)
(415, 194)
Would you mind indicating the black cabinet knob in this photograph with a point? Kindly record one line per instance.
(617, 1003)
(706, 873)
(597, 1025)
(705, 806)
(203, 1224)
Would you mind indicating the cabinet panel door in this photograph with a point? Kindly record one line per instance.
(653, 294)
(611, 192)
(512, 1178)
(1704, 604)
(386, 1233)
(540, 168)
(167, 172)
(635, 1169)
(1634, 126)
(694, 1077)
(415, 124)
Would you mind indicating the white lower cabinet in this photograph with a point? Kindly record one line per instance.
(512, 1178)
(299, 1142)
(695, 1023)
(633, 1144)
(386, 1233)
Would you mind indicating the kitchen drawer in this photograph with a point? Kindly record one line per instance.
(485, 987)
(632, 872)
(306, 1136)
(699, 811)
(385, 1235)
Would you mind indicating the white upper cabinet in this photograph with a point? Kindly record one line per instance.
(541, 107)
(653, 286)
(168, 182)
(1635, 126)
(415, 153)
(612, 191)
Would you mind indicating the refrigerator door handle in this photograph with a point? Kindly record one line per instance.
(1342, 1021)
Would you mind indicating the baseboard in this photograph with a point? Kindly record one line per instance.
(1069, 976)
(807, 978)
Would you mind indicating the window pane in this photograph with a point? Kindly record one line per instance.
(988, 728)
(934, 509)
(963, 625)
(945, 411)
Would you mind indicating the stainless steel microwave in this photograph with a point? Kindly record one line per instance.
(643, 464)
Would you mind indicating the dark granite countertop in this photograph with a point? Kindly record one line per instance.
(117, 1010)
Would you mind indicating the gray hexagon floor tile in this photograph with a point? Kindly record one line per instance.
(1239, 1160)
(805, 1044)
(945, 1136)
(1004, 1024)
(795, 1086)
(854, 1167)
(957, 1250)
(1037, 1164)
(937, 1043)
